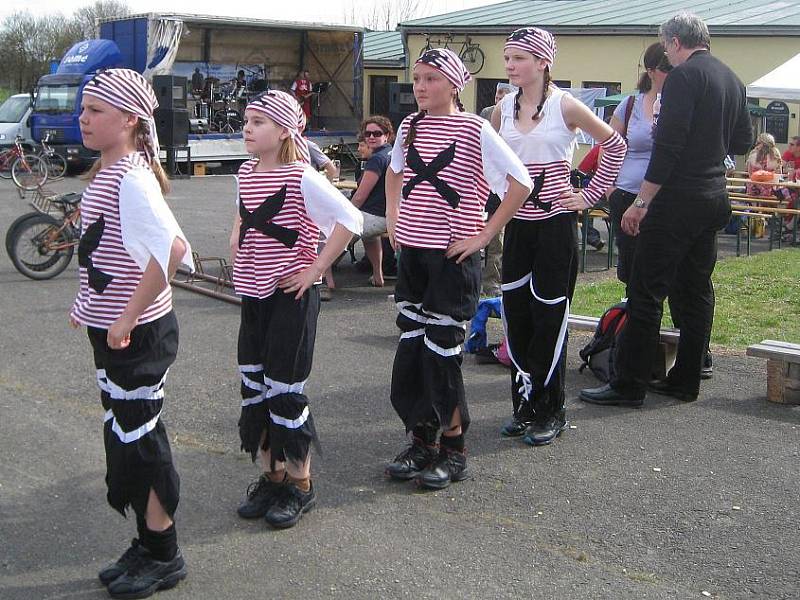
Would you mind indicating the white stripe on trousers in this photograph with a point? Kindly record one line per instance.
(126, 437)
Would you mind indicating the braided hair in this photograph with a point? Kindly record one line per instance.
(457, 100)
(540, 106)
(412, 127)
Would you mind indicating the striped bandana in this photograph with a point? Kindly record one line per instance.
(537, 41)
(286, 112)
(130, 92)
(448, 64)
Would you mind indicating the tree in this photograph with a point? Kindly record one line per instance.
(86, 17)
(28, 43)
(384, 15)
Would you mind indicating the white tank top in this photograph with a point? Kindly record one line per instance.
(546, 151)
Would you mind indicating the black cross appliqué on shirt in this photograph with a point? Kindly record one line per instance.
(533, 198)
(429, 173)
(261, 219)
(90, 240)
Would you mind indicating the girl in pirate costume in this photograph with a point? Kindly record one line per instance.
(444, 163)
(129, 249)
(283, 203)
(540, 258)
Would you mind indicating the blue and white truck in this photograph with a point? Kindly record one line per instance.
(178, 44)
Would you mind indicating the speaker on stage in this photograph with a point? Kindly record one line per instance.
(172, 126)
(170, 91)
(401, 102)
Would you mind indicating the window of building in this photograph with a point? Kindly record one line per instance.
(562, 83)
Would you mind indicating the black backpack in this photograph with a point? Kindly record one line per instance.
(600, 353)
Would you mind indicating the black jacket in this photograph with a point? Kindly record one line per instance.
(703, 117)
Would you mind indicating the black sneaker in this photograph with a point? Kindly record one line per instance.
(409, 463)
(515, 427)
(261, 494)
(449, 466)
(542, 434)
(290, 505)
(147, 575)
(115, 569)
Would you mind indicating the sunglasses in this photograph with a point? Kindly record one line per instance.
(375, 134)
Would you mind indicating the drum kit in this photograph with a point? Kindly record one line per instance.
(219, 106)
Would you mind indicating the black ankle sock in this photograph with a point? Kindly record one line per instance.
(453, 442)
(163, 545)
(426, 433)
(141, 528)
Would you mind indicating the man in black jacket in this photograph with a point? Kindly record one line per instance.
(681, 205)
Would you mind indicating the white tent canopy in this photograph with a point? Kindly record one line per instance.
(782, 83)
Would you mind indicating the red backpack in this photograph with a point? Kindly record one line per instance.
(600, 353)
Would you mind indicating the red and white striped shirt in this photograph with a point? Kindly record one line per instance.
(119, 246)
(547, 151)
(310, 204)
(481, 161)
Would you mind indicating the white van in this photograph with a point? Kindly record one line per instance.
(14, 113)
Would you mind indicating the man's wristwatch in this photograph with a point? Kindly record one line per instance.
(639, 203)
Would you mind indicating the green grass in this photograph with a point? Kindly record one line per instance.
(758, 297)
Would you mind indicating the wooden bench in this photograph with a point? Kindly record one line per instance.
(783, 369)
(667, 347)
(773, 214)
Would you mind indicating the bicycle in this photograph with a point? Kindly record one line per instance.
(40, 245)
(27, 170)
(56, 163)
(470, 53)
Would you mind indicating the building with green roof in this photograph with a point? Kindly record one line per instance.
(600, 42)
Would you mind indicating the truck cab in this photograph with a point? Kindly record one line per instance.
(58, 100)
(14, 113)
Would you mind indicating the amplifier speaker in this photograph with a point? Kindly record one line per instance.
(172, 126)
(170, 91)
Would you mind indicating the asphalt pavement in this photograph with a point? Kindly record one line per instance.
(670, 501)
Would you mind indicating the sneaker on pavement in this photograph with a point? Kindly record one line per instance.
(411, 461)
(542, 434)
(292, 503)
(261, 494)
(449, 466)
(147, 575)
(110, 572)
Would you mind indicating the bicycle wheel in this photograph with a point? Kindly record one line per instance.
(29, 172)
(10, 232)
(56, 166)
(5, 165)
(473, 58)
(38, 249)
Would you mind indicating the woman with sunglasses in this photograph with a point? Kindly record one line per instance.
(370, 196)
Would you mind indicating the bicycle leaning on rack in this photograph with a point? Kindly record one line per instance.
(40, 244)
(470, 52)
(56, 163)
(28, 171)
